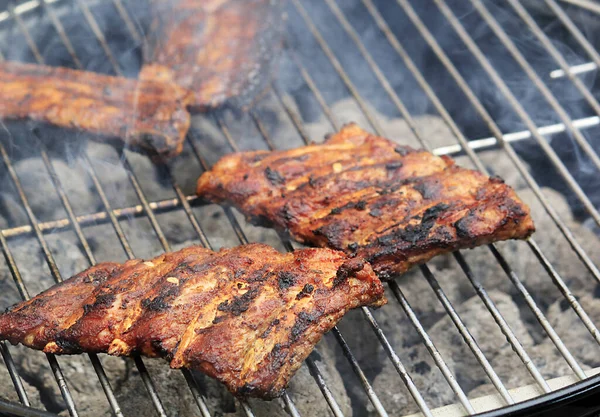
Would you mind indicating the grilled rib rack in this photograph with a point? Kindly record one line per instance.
(19, 20)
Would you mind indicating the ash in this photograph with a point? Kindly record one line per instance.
(346, 388)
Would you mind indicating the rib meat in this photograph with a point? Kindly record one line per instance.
(247, 316)
(147, 114)
(391, 205)
(217, 49)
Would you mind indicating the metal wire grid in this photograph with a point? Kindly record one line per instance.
(150, 209)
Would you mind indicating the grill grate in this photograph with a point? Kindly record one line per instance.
(149, 209)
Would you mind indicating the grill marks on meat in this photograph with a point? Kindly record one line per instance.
(149, 115)
(223, 313)
(217, 49)
(391, 205)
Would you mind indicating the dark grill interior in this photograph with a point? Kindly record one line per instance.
(433, 74)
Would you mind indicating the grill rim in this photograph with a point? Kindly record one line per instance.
(150, 211)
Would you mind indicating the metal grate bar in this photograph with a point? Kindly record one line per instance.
(491, 142)
(14, 374)
(474, 49)
(56, 370)
(483, 113)
(316, 374)
(376, 71)
(289, 405)
(61, 33)
(314, 370)
(433, 351)
(138, 361)
(100, 217)
(575, 31)
(499, 138)
(128, 21)
(464, 331)
(91, 20)
(506, 330)
(17, 18)
(537, 81)
(337, 66)
(356, 368)
(147, 381)
(335, 123)
(499, 82)
(437, 357)
(539, 315)
(110, 395)
(366, 312)
(244, 240)
(586, 4)
(8, 360)
(558, 281)
(404, 375)
(378, 332)
(517, 347)
(556, 55)
(466, 334)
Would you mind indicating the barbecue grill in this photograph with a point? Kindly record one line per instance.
(387, 86)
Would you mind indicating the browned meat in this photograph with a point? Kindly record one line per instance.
(150, 115)
(247, 316)
(391, 205)
(218, 49)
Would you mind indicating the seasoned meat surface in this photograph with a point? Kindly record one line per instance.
(218, 49)
(391, 205)
(247, 316)
(148, 115)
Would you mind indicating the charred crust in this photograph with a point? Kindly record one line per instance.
(412, 233)
(67, 346)
(159, 349)
(286, 213)
(496, 179)
(274, 177)
(101, 301)
(278, 356)
(260, 275)
(359, 205)
(353, 246)
(394, 165)
(463, 226)
(432, 213)
(245, 177)
(238, 304)
(311, 181)
(155, 304)
(267, 332)
(334, 233)
(285, 280)
(348, 269)
(305, 291)
(303, 322)
(402, 150)
(427, 190)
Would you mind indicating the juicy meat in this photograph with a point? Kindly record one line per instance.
(146, 114)
(247, 316)
(217, 49)
(391, 205)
